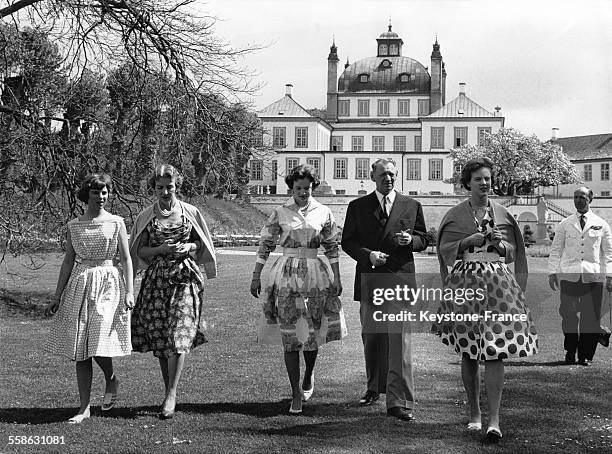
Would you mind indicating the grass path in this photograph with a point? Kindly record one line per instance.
(234, 392)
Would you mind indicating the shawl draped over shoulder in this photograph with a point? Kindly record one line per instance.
(205, 255)
(458, 223)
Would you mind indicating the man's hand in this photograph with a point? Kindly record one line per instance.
(378, 258)
(403, 238)
(553, 282)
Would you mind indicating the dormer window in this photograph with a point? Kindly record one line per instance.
(363, 78)
(383, 49)
(386, 63)
(404, 77)
(393, 49)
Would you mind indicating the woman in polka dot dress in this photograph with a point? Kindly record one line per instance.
(92, 298)
(495, 324)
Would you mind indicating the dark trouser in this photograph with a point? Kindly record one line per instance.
(581, 333)
(387, 349)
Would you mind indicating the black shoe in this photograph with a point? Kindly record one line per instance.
(401, 413)
(583, 362)
(604, 338)
(570, 358)
(369, 398)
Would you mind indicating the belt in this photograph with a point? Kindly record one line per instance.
(94, 262)
(481, 257)
(301, 252)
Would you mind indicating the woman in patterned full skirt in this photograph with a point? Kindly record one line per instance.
(302, 308)
(91, 302)
(496, 322)
(170, 239)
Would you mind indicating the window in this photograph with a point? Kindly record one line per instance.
(340, 191)
(357, 144)
(461, 136)
(291, 163)
(399, 143)
(337, 143)
(383, 49)
(301, 137)
(588, 172)
(423, 107)
(405, 78)
(340, 168)
(605, 171)
(378, 143)
(279, 134)
(414, 169)
(386, 63)
(274, 170)
(413, 192)
(403, 107)
(435, 169)
(393, 49)
(417, 143)
(437, 137)
(383, 107)
(481, 134)
(605, 193)
(344, 108)
(363, 78)
(316, 163)
(363, 108)
(362, 169)
(256, 168)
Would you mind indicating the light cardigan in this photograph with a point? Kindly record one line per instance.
(204, 256)
(458, 223)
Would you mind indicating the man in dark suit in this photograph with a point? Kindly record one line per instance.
(381, 231)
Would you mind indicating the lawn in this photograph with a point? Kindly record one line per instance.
(234, 392)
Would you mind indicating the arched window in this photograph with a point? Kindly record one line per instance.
(386, 63)
(404, 77)
(383, 49)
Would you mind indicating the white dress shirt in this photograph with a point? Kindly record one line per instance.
(390, 200)
(577, 252)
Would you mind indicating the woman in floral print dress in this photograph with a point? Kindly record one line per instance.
(170, 239)
(302, 308)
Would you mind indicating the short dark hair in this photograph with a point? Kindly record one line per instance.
(589, 191)
(300, 172)
(165, 171)
(94, 181)
(472, 166)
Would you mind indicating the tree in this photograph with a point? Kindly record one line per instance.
(520, 163)
(155, 35)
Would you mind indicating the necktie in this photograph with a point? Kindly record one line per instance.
(582, 222)
(385, 210)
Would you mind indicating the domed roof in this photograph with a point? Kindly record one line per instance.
(388, 35)
(385, 74)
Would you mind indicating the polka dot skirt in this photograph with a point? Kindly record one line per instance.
(495, 324)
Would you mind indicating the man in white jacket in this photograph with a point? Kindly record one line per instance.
(580, 261)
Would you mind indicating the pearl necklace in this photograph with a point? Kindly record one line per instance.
(165, 213)
(304, 209)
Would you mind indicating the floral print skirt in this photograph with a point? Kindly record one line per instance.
(167, 318)
(300, 309)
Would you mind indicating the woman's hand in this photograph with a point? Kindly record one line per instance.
(255, 286)
(475, 239)
(53, 306)
(129, 302)
(168, 247)
(337, 287)
(496, 236)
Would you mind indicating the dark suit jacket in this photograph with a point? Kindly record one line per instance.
(365, 230)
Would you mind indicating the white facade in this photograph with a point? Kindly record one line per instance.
(385, 106)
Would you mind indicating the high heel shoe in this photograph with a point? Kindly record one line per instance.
(78, 419)
(110, 399)
(307, 393)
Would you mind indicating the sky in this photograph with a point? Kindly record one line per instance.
(545, 63)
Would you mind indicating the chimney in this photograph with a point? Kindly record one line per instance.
(288, 88)
(461, 88)
(555, 134)
(497, 111)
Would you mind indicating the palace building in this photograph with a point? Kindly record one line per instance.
(386, 105)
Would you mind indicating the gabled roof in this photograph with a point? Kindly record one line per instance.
(595, 146)
(285, 107)
(461, 107)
